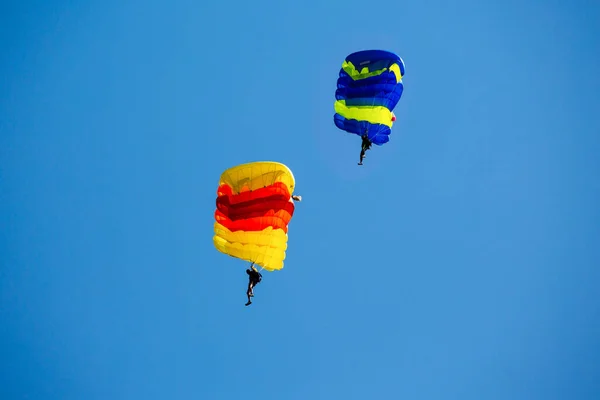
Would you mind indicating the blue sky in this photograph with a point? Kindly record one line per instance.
(460, 262)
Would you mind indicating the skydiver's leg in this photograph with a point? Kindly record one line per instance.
(249, 293)
(362, 156)
(365, 147)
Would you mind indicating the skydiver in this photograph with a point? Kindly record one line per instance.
(254, 277)
(366, 145)
(297, 198)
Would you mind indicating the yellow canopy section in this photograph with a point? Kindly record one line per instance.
(372, 114)
(266, 248)
(256, 175)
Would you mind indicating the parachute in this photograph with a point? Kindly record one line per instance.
(368, 88)
(254, 207)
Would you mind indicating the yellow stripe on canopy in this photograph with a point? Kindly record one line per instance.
(372, 114)
(364, 73)
(266, 248)
(256, 175)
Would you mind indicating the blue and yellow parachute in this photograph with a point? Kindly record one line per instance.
(368, 88)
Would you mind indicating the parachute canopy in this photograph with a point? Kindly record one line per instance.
(254, 207)
(368, 88)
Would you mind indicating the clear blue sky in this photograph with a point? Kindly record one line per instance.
(460, 262)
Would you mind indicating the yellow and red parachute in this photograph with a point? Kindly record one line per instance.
(254, 207)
